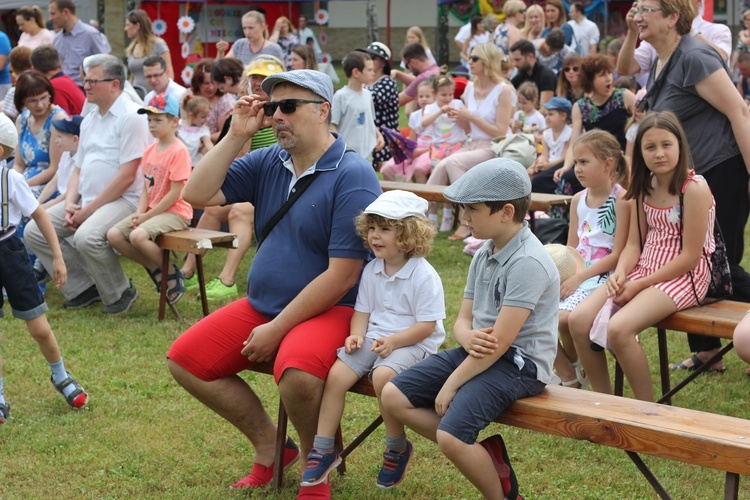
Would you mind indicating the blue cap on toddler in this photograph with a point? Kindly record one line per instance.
(70, 125)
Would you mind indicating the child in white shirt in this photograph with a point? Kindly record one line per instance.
(528, 119)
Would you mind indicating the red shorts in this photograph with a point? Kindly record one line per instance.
(210, 349)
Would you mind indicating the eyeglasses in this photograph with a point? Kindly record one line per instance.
(287, 106)
(39, 100)
(645, 11)
(92, 83)
(522, 11)
(474, 58)
(571, 68)
(155, 75)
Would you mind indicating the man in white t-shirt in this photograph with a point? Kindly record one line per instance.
(104, 188)
(155, 73)
(585, 31)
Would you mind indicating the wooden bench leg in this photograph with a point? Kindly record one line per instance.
(716, 357)
(619, 379)
(339, 445)
(357, 441)
(201, 283)
(658, 488)
(278, 458)
(664, 366)
(732, 486)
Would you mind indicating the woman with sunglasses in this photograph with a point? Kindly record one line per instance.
(490, 102)
(36, 155)
(535, 23)
(602, 107)
(569, 79)
(689, 78)
(507, 33)
(143, 44)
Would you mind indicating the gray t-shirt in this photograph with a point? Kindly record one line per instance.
(521, 274)
(241, 50)
(708, 131)
(135, 64)
(353, 114)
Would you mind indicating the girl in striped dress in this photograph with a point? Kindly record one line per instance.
(662, 269)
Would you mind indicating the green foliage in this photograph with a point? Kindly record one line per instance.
(143, 436)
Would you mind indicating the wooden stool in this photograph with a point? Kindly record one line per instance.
(197, 242)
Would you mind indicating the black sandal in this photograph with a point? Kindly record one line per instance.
(175, 293)
(4, 412)
(77, 391)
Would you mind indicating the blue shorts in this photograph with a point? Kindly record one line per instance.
(479, 401)
(17, 276)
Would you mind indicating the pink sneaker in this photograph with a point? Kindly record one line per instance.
(261, 475)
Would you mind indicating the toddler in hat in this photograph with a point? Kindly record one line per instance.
(17, 276)
(507, 335)
(398, 316)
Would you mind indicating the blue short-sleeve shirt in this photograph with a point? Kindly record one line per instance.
(319, 226)
(5, 51)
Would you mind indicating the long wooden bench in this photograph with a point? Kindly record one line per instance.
(539, 201)
(717, 319)
(690, 436)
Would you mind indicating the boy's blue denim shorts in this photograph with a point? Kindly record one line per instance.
(479, 401)
(17, 277)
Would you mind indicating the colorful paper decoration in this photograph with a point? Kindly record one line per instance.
(159, 27)
(325, 58)
(321, 16)
(187, 75)
(186, 24)
(185, 50)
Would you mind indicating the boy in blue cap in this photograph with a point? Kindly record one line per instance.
(17, 275)
(166, 165)
(507, 333)
(66, 135)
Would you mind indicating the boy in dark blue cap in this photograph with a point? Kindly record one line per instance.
(66, 134)
(507, 333)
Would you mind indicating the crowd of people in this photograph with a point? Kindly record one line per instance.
(649, 134)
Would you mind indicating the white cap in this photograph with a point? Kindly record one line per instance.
(8, 132)
(398, 205)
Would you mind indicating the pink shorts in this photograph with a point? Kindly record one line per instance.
(210, 349)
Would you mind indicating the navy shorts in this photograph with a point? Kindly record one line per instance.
(17, 276)
(479, 401)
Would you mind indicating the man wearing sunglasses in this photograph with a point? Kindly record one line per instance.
(302, 283)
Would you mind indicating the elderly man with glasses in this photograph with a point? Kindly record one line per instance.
(103, 189)
(302, 283)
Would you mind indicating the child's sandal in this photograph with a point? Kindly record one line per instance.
(4, 412)
(73, 399)
(178, 290)
(581, 376)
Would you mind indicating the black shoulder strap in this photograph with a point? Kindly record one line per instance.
(5, 221)
(299, 187)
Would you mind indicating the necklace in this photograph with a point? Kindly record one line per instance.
(250, 44)
(660, 63)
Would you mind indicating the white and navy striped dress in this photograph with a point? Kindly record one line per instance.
(663, 244)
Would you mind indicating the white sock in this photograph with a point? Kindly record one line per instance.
(432, 217)
(59, 374)
(447, 213)
(2, 392)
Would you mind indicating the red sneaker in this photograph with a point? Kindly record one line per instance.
(261, 475)
(321, 491)
(496, 448)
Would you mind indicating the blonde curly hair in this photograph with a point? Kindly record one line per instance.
(414, 235)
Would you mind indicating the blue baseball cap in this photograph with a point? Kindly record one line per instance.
(162, 104)
(70, 125)
(560, 104)
(315, 81)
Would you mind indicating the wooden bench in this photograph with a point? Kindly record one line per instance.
(690, 436)
(197, 242)
(717, 319)
(539, 201)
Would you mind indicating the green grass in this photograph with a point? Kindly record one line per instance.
(143, 436)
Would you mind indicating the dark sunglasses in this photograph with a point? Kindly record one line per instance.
(288, 106)
(571, 68)
(475, 58)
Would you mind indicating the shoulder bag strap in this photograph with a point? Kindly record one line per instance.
(299, 188)
(5, 222)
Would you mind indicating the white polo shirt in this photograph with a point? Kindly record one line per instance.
(106, 142)
(395, 303)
